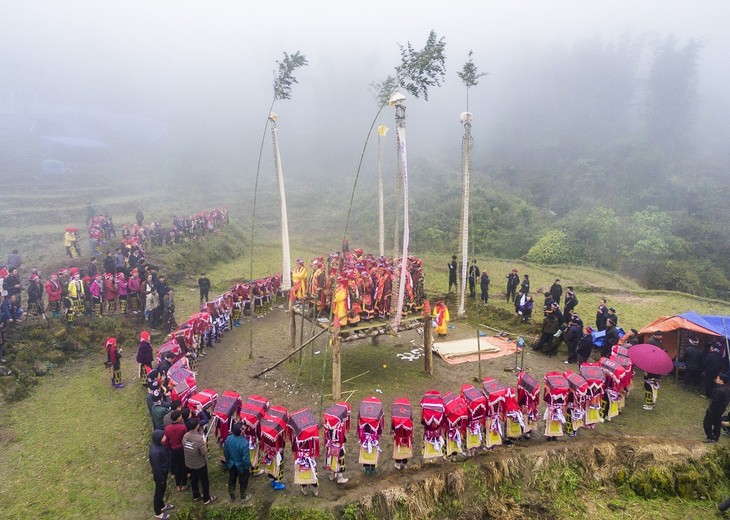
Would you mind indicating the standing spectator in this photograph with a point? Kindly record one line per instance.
(651, 381)
(139, 216)
(711, 368)
(237, 456)
(12, 285)
(204, 286)
(572, 337)
(159, 409)
(585, 347)
(174, 433)
(513, 281)
(473, 277)
(718, 403)
(35, 298)
(547, 304)
(3, 323)
(109, 263)
(14, 260)
(114, 361)
(119, 264)
(160, 463)
(601, 315)
(54, 289)
(525, 287)
(612, 315)
(693, 357)
(144, 355)
(110, 294)
(168, 312)
(484, 286)
(571, 301)
(92, 268)
(196, 460)
(556, 291)
(452, 273)
(610, 339)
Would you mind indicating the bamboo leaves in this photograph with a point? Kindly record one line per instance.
(469, 74)
(284, 76)
(421, 69)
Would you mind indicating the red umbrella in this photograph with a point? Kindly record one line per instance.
(651, 359)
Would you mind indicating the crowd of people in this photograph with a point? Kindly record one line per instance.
(356, 286)
(453, 423)
(181, 424)
(120, 281)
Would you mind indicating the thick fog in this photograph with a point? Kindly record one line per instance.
(197, 76)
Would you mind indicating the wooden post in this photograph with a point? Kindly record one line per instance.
(336, 361)
(292, 327)
(427, 339)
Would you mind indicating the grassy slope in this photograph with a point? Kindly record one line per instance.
(96, 462)
(77, 449)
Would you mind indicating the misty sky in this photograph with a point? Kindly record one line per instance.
(206, 67)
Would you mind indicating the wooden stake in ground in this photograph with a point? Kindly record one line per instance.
(336, 361)
(427, 339)
(292, 326)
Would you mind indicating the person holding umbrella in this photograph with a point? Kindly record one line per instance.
(654, 361)
(718, 404)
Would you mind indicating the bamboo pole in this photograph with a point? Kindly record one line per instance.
(427, 339)
(336, 366)
(292, 327)
(272, 367)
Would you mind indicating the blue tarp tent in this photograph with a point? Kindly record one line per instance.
(679, 328)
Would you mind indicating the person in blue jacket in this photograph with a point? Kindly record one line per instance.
(236, 453)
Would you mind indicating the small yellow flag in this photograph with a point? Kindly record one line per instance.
(382, 130)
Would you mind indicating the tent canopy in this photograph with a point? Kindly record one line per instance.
(687, 322)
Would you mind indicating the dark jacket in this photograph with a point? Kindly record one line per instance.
(585, 346)
(550, 324)
(144, 353)
(237, 453)
(719, 401)
(572, 335)
(693, 357)
(35, 294)
(109, 264)
(484, 282)
(525, 287)
(158, 413)
(611, 338)
(159, 457)
(556, 291)
(713, 365)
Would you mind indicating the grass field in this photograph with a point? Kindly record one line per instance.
(77, 449)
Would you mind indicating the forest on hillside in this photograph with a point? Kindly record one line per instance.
(610, 168)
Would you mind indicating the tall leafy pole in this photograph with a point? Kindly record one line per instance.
(285, 250)
(283, 81)
(419, 70)
(470, 77)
